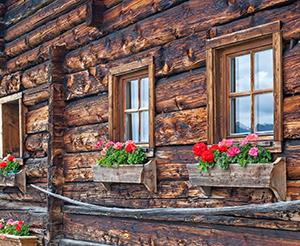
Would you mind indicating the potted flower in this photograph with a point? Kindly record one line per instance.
(15, 233)
(11, 174)
(124, 163)
(243, 164)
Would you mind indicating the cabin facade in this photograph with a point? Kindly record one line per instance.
(167, 74)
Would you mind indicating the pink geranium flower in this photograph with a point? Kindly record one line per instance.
(245, 141)
(99, 143)
(232, 151)
(2, 236)
(251, 137)
(109, 143)
(103, 152)
(226, 142)
(118, 145)
(10, 222)
(253, 152)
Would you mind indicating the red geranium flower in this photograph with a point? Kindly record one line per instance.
(130, 146)
(214, 147)
(18, 227)
(3, 164)
(222, 148)
(207, 156)
(10, 158)
(199, 148)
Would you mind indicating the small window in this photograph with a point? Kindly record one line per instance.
(11, 139)
(131, 104)
(244, 85)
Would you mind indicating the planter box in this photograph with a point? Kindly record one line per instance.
(132, 174)
(11, 240)
(267, 175)
(15, 180)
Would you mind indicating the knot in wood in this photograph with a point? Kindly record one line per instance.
(250, 9)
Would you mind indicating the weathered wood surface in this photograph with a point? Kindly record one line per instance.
(182, 127)
(14, 180)
(37, 120)
(35, 76)
(154, 35)
(270, 175)
(84, 138)
(36, 145)
(36, 170)
(131, 174)
(183, 91)
(10, 83)
(79, 227)
(36, 95)
(291, 66)
(87, 111)
(292, 152)
(46, 32)
(291, 110)
(11, 240)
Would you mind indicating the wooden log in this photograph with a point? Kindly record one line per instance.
(182, 127)
(42, 16)
(87, 111)
(291, 110)
(177, 154)
(135, 232)
(46, 32)
(36, 76)
(290, 23)
(291, 68)
(10, 83)
(84, 138)
(150, 33)
(36, 145)
(36, 170)
(21, 9)
(37, 120)
(36, 95)
(183, 91)
(293, 187)
(292, 153)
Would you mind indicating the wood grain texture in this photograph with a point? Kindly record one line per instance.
(36, 76)
(291, 66)
(36, 95)
(182, 127)
(87, 111)
(291, 110)
(36, 145)
(37, 120)
(10, 84)
(183, 91)
(84, 138)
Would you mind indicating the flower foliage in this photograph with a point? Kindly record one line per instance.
(116, 154)
(9, 166)
(14, 227)
(227, 152)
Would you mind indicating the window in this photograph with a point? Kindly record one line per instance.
(11, 126)
(131, 103)
(244, 85)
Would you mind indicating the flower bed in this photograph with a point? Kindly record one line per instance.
(124, 163)
(11, 174)
(14, 233)
(242, 164)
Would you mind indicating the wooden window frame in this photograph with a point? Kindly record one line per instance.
(267, 35)
(144, 65)
(15, 97)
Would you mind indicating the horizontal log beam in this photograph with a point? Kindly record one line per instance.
(36, 95)
(291, 112)
(37, 120)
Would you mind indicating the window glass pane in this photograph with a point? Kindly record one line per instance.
(132, 94)
(132, 127)
(145, 127)
(144, 93)
(240, 115)
(240, 73)
(264, 112)
(11, 128)
(263, 69)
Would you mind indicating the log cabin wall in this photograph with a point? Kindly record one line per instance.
(98, 37)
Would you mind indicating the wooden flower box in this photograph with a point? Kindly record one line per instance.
(15, 180)
(267, 175)
(131, 174)
(11, 240)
